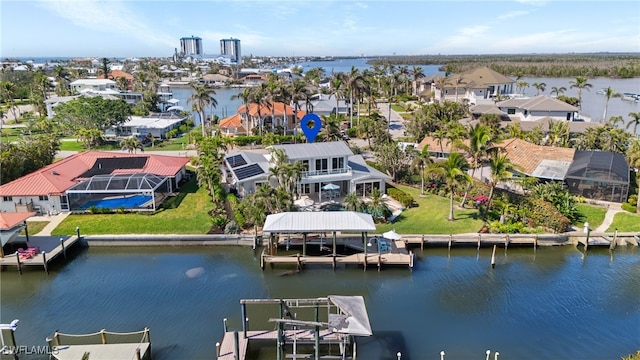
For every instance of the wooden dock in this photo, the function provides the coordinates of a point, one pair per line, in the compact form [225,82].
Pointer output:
[227,350]
[49,248]
[397,255]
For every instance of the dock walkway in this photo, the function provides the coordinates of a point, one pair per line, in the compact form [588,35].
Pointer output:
[50,248]
[300,336]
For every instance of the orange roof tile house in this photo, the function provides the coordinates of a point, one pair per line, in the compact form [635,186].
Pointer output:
[274,117]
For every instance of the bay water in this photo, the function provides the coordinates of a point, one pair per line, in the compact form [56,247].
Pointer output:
[554,303]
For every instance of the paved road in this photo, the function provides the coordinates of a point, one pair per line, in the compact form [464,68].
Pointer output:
[396,124]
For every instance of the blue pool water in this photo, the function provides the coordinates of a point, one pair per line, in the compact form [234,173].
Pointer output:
[130,202]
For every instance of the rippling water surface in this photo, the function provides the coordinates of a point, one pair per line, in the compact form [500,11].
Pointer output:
[555,303]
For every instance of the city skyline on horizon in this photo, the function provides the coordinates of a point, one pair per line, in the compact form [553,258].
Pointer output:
[124,29]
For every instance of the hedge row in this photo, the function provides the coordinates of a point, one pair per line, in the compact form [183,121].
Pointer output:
[402,197]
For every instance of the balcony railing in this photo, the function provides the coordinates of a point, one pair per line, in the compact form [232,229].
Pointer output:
[344,170]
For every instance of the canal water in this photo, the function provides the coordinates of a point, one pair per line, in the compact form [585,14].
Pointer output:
[551,304]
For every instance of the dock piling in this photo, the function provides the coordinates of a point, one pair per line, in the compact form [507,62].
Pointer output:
[493,257]
[64,251]
[217,350]
[479,239]
[614,242]
[44,262]
[224,325]
[236,343]
[19,263]
[243,309]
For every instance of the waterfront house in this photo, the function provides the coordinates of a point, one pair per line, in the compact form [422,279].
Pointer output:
[324,163]
[326,105]
[92,175]
[261,118]
[156,125]
[538,107]
[479,85]
[114,74]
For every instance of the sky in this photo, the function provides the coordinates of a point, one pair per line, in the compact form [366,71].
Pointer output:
[144,28]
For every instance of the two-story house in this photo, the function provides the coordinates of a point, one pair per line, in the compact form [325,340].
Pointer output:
[98,86]
[324,163]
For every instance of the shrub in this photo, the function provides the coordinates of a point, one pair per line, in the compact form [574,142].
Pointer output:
[121,210]
[94,209]
[510,228]
[218,221]
[352,132]
[231,228]
[628,207]
[402,197]
[633,200]
[237,213]
[545,214]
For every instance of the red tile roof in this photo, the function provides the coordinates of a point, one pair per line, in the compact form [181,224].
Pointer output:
[114,74]
[56,178]
[278,109]
[10,219]
[231,121]
[528,156]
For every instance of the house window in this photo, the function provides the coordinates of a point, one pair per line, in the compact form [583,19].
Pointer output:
[305,165]
[526,112]
[337,163]
[321,165]
[43,198]
[7,198]
[305,188]
[568,116]
[258,184]
[511,111]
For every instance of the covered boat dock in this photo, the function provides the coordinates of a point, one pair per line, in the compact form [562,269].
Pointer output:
[302,325]
[353,228]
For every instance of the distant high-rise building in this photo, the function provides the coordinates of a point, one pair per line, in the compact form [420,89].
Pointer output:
[191,46]
[231,47]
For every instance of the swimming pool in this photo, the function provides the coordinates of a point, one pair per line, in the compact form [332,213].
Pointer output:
[128,202]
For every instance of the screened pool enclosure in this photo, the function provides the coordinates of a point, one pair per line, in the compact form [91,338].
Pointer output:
[132,192]
[599,175]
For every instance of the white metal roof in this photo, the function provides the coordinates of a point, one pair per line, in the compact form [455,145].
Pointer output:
[354,319]
[93,82]
[315,150]
[153,122]
[324,221]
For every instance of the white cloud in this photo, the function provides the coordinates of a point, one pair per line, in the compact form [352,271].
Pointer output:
[512,14]
[108,17]
[361,5]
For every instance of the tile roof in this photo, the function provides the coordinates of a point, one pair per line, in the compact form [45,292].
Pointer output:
[231,121]
[56,178]
[10,219]
[114,74]
[477,78]
[531,156]
[278,109]
[537,103]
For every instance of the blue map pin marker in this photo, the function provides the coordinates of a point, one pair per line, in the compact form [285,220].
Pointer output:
[311,125]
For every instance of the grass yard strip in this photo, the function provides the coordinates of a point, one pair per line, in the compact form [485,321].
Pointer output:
[190,217]
[430,217]
[34,227]
[625,222]
[592,214]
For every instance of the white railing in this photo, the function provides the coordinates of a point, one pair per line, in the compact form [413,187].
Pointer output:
[344,170]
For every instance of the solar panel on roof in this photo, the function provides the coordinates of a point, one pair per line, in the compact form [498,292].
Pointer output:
[248,171]
[236,161]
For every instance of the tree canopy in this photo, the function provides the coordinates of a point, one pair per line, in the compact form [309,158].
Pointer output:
[92,113]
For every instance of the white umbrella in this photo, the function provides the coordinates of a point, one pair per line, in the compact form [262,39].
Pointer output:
[331,186]
[304,201]
[176,107]
[392,235]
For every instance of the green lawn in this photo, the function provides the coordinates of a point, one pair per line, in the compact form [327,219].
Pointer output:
[592,214]
[174,144]
[191,217]
[625,222]
[430,217]
[398,108]
[35,227]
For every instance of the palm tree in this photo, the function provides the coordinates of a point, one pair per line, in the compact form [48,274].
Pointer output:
[245,96]
[352,202]
[439,136]
[480,143]
[200,99]
[635,121]
[377,205]
[608,94]
[440,83]
[337,90]
[104,68]
[558,90]
[633,157]
[580,83]
[420,162]
[501,170]
[131,144]
[330,130]
[453,172]
[522,84]
[540,87]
